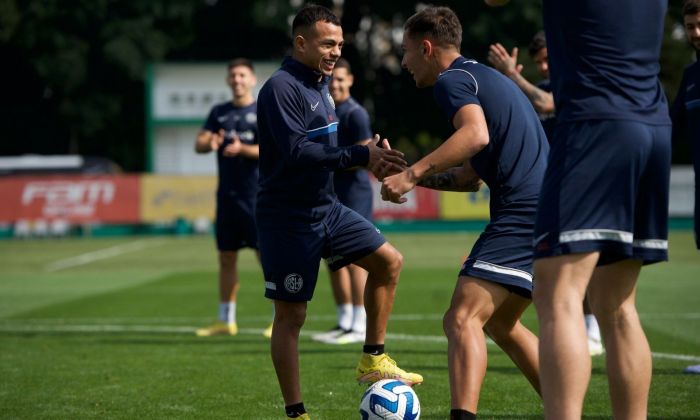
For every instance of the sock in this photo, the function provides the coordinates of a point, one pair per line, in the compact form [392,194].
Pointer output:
[295,410]
[373,349]
[227,312]
[344,312]
[359,318]
[592,327]
[457,414]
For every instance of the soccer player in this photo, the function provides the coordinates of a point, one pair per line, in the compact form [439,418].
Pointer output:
[231,131]
[352,186]
[300,219]
[685,112]
[603,210]
[542,99]
[498,138]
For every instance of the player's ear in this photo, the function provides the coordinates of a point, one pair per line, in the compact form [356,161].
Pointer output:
[299,43]
[427,47]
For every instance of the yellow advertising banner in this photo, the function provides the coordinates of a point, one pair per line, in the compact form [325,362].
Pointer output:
[165,198]
[465,206]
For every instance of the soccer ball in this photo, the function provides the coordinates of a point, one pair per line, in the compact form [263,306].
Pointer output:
[391,400]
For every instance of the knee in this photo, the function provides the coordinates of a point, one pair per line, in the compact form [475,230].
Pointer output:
[395,265]
[500,332]
[227,259]
[455,323]
[621,317]
[291,316]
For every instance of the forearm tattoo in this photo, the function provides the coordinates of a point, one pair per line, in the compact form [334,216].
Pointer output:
[447,181]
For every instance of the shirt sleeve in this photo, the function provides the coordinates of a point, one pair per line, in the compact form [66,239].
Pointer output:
[360,128]
[212,124]
[284,114]
[455,89]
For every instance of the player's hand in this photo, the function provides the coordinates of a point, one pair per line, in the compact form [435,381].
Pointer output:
[383,160]
[234,148]
[217,139]
[504,62]
[395,186]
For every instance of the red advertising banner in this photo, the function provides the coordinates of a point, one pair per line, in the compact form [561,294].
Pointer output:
[77,199]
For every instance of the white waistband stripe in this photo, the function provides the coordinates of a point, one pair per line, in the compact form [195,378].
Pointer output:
[650,243]
[595,235]
[487,266]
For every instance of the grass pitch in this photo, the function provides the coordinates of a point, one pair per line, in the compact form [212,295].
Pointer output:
[104,328]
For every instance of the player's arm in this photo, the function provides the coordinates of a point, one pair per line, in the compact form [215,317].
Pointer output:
[459,179]
[541,100]
[289,133]
[207,141]
[470,137]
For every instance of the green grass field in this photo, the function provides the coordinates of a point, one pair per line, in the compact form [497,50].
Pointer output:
[103,328]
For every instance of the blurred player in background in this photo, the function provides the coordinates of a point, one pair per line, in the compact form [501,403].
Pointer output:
[231,130]
[685,112]
[603,210]
[494,285]
[352,186]
[542,99]
[300,219]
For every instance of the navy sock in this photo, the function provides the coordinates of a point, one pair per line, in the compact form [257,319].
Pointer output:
[295,410]
[373,349]
[457,414]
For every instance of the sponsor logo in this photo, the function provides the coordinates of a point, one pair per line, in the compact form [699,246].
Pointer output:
[293,283]
[66,198]
[314,106]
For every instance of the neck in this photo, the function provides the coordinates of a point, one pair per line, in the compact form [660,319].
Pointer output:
[445,57]
[241,101]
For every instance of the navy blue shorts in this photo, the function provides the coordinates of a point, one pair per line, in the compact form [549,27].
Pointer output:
[356,195]
[235,224]
[291,254]
[606,189]
[503,253]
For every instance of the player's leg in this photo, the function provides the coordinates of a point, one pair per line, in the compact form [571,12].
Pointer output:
[473,302]
[289,318]
[595,342]
[267,332]
[628,358]
[383,267]
[358,280]
[229,282]
[519,343]
[340,286]
[558,296]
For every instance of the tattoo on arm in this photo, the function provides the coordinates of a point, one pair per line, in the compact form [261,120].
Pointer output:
[447,181]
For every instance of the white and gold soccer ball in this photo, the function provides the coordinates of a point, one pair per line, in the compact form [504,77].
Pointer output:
[389,399]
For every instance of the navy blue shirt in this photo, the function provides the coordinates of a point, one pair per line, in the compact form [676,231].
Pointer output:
[299,149]
[354,127]
[514,161]
[238,175]
[548,120]
[604,59]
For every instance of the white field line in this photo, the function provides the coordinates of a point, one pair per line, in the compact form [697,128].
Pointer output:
[165,329]
[101,254]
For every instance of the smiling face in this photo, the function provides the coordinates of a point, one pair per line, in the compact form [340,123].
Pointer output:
[692,29]
[340,84]
[319,47]
[241,80]
[416,61]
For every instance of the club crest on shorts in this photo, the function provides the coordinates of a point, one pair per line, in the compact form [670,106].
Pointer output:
[293,283]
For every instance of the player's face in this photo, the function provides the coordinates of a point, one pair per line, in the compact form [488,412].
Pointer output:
[416,62]
[321,48]
[542,63]
[692,29]
[241,80]
[340,85]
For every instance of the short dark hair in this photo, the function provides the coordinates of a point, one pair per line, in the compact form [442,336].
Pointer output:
[440,24]
[691,7]
[343,64]
[312,13]
[237,62]
[537,43]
